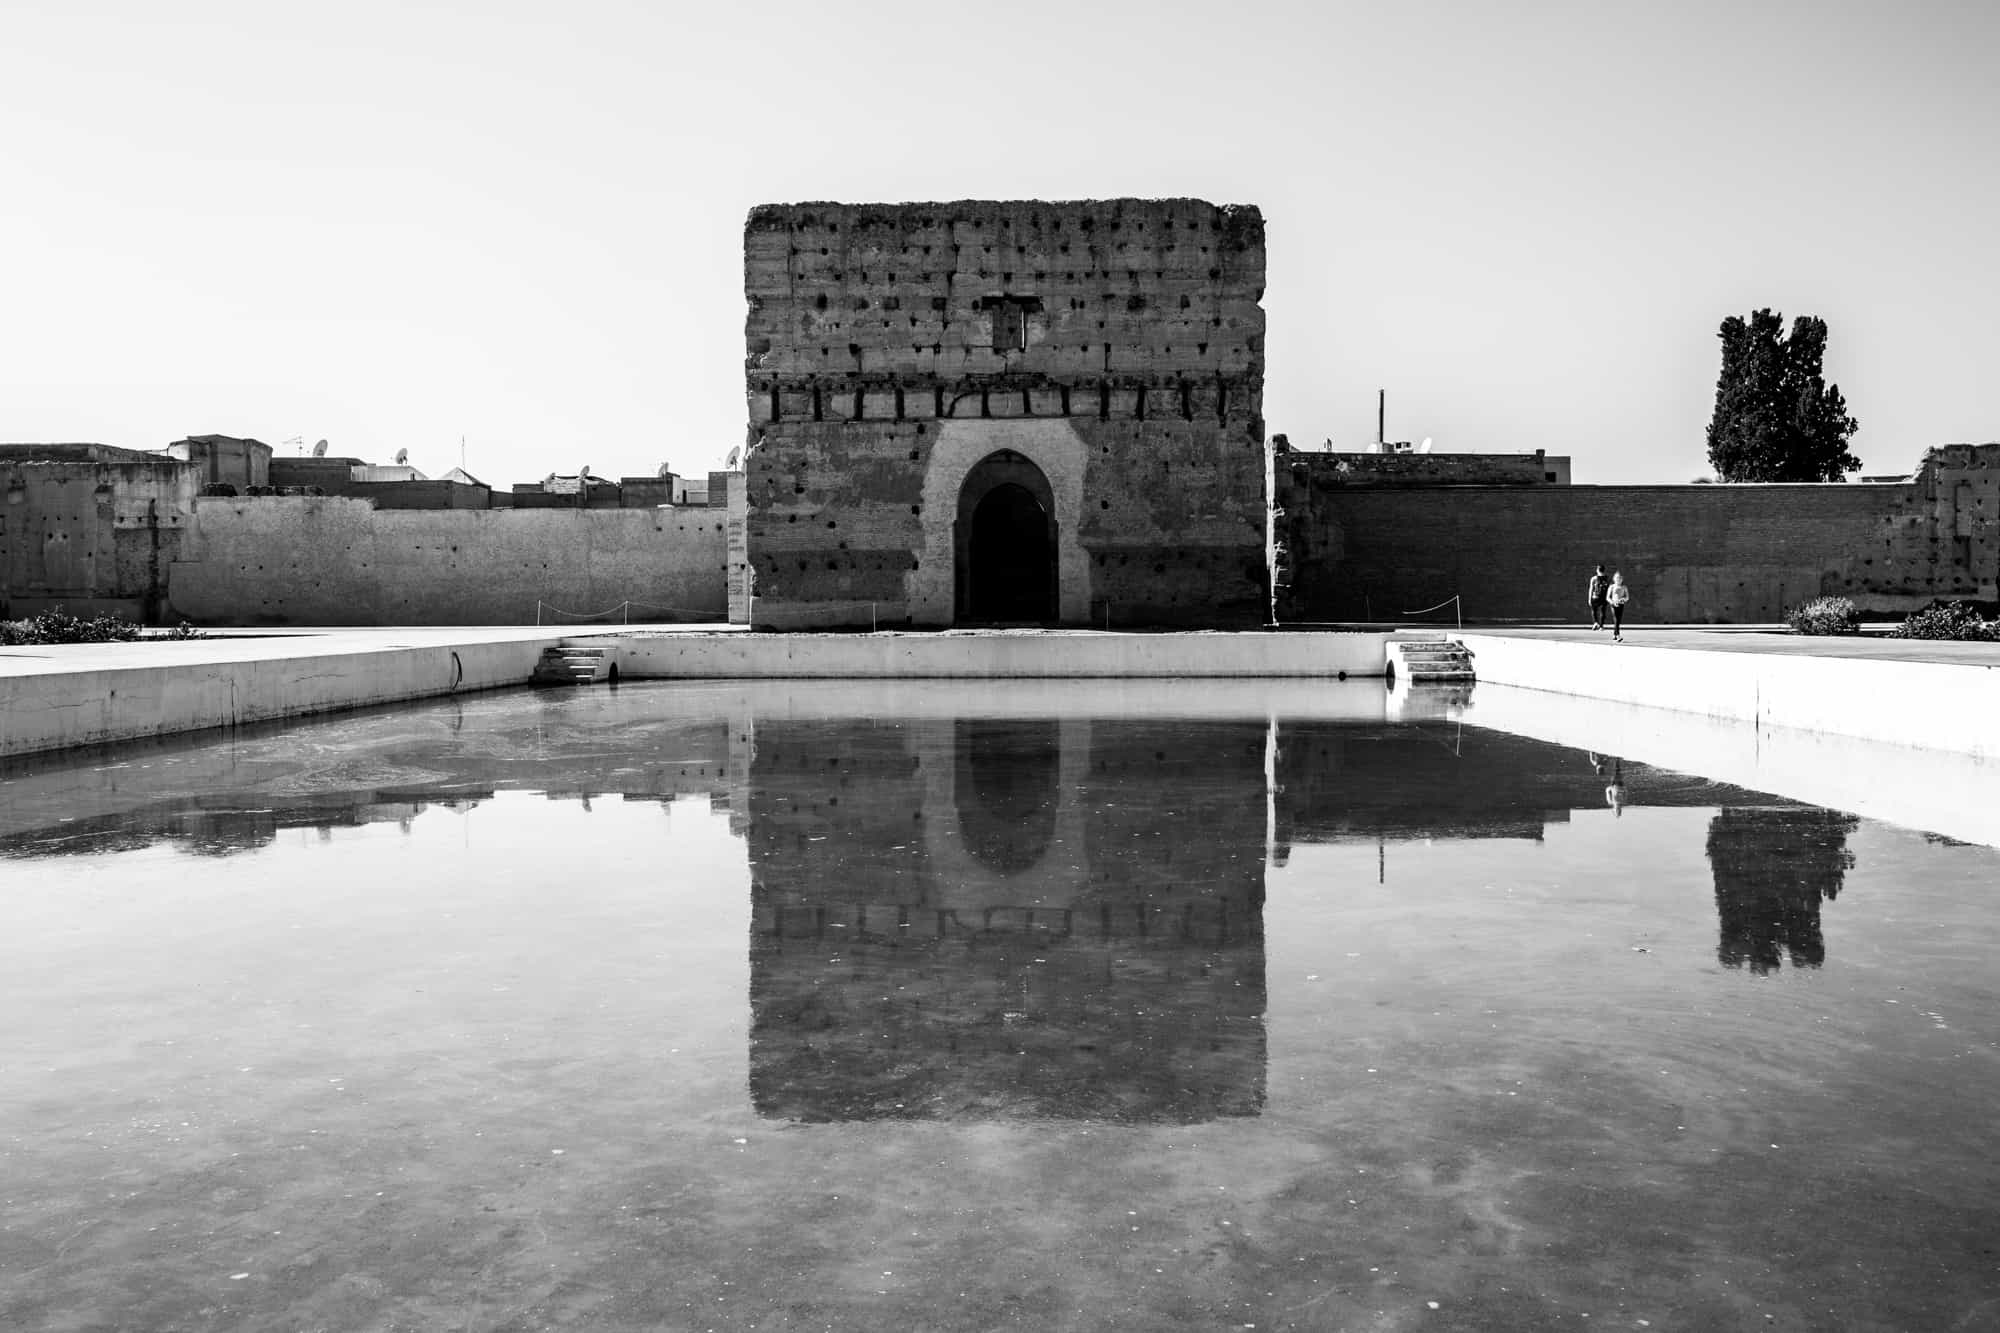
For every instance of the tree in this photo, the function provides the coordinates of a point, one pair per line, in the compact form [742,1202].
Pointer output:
[1776,417]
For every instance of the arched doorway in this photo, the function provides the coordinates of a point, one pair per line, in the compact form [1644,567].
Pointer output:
[1005,542]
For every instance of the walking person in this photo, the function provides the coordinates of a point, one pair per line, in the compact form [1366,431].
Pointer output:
[1598,584]
[1616,596]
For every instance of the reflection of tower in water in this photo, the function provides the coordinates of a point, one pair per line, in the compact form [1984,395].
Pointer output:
[1007,917]
[1773,868]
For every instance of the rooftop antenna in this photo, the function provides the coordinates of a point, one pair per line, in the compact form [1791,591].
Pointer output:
[1381,418]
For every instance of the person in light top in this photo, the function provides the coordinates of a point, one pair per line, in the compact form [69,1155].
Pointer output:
[1617,595]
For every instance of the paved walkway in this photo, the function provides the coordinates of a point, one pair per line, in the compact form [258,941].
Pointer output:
[272,645]
[1774,640]
[228,646]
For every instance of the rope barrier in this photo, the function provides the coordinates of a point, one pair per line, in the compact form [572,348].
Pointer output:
[624,611]
[1458,614]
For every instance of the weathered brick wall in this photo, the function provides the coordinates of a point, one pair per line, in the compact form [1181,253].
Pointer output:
[1117,345]
[91,538]
[332,475]
[736,538]
[334,560]
[1693,554]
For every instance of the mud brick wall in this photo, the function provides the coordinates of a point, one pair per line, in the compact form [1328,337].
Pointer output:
[1693,554]
[91,538]
[335,560]
[1116,345]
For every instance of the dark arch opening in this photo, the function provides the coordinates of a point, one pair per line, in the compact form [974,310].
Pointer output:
[1008,785]
[1006,543]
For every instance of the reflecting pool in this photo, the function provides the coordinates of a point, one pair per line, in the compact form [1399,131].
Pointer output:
[1033,1005]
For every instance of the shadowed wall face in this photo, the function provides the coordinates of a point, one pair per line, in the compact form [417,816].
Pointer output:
[1692,554]
[1115,346]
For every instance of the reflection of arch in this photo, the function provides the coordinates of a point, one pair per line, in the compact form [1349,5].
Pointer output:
[1004,542]
[1007,788]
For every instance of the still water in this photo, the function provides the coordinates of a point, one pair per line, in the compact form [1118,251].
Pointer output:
[1032,1006]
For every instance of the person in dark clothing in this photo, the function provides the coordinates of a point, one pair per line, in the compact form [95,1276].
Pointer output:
[1598,585]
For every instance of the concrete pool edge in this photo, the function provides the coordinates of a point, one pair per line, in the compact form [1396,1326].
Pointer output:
[61,700]
[994,655]
[76,696]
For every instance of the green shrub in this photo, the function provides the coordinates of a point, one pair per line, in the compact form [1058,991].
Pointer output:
[58,626]
[1947,620]
[1824,615]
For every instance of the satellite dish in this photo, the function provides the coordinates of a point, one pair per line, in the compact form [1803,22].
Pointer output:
[583,474]
[730,462]
[1425,447]
[402,457]
[319,450]
[666,470]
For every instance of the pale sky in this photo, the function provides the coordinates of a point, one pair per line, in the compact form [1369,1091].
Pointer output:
[392,225]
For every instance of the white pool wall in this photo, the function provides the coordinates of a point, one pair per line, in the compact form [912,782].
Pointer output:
[1927,705]
[995,656]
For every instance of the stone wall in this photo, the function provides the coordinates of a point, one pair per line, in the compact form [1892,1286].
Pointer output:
[91,538]
[1693,554]
[331,475]
[224,460]
[332,560]
[419,494]
[736,508]
[1113,347]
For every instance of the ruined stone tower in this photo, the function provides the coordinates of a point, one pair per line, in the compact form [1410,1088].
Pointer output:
[1018,412]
